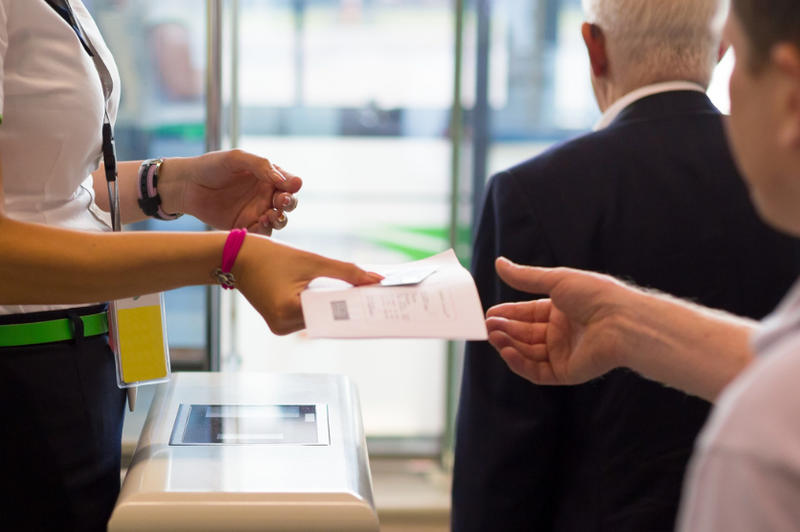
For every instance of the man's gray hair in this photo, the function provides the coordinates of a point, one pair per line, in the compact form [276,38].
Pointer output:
[649,41]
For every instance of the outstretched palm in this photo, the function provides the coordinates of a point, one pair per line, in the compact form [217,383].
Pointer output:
[568,339]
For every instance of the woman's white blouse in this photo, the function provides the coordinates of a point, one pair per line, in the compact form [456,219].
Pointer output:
[52,107]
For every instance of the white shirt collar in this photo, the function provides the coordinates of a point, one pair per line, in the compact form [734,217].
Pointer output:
[617,107]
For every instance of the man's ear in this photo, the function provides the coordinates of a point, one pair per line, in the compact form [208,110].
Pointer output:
[785,58]
[596,46]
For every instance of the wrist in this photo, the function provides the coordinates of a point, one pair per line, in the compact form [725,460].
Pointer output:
[225,274]
[633,334]
[172,185]
[238,265]
[251,254]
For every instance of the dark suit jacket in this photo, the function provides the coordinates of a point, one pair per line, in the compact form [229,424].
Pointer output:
[654,198]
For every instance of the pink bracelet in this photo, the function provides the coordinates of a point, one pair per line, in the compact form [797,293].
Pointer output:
[229,253]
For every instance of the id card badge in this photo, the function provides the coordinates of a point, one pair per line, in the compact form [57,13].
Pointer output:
[138,337]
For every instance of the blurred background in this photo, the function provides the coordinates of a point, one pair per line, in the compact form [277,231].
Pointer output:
[394,112]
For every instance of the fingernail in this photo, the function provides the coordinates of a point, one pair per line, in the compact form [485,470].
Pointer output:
[278,176]
[287,200]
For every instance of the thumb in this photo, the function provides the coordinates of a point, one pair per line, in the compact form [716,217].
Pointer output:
[530,279]
[264,170]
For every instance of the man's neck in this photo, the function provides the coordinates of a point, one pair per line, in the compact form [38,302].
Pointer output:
[618,105]
[607,94]
[608,91]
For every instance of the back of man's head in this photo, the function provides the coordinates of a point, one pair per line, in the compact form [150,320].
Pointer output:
[650,41]
[766,23]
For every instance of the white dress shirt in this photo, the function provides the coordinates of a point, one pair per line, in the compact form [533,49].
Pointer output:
[52,106]
[745,473]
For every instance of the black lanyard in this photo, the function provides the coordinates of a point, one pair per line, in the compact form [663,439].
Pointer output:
[64,9]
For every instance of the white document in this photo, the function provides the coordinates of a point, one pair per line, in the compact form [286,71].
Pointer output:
[430,298]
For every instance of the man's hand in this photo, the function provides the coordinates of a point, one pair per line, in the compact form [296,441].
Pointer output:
[230,189]
[567,339]
[593,323]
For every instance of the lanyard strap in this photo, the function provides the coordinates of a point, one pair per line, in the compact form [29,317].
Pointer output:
[64,9]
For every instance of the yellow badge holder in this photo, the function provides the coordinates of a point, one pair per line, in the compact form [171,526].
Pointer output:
[138,337]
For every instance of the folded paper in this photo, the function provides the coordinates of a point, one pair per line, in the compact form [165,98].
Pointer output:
[431,298]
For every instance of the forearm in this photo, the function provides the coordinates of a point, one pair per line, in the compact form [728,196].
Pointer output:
[692,348]
[46,265]
[169,188]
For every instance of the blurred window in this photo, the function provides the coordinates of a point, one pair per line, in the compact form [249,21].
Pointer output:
[355,97]
[159,48]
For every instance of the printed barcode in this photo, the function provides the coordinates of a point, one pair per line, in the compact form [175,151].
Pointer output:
[340,310]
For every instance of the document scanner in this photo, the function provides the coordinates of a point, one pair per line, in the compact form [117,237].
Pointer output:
[250,452]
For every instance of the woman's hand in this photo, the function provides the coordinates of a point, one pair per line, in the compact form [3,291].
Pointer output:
[229,189]
[271,276]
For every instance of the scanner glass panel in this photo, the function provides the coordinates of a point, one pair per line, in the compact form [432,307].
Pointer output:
[204,424]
